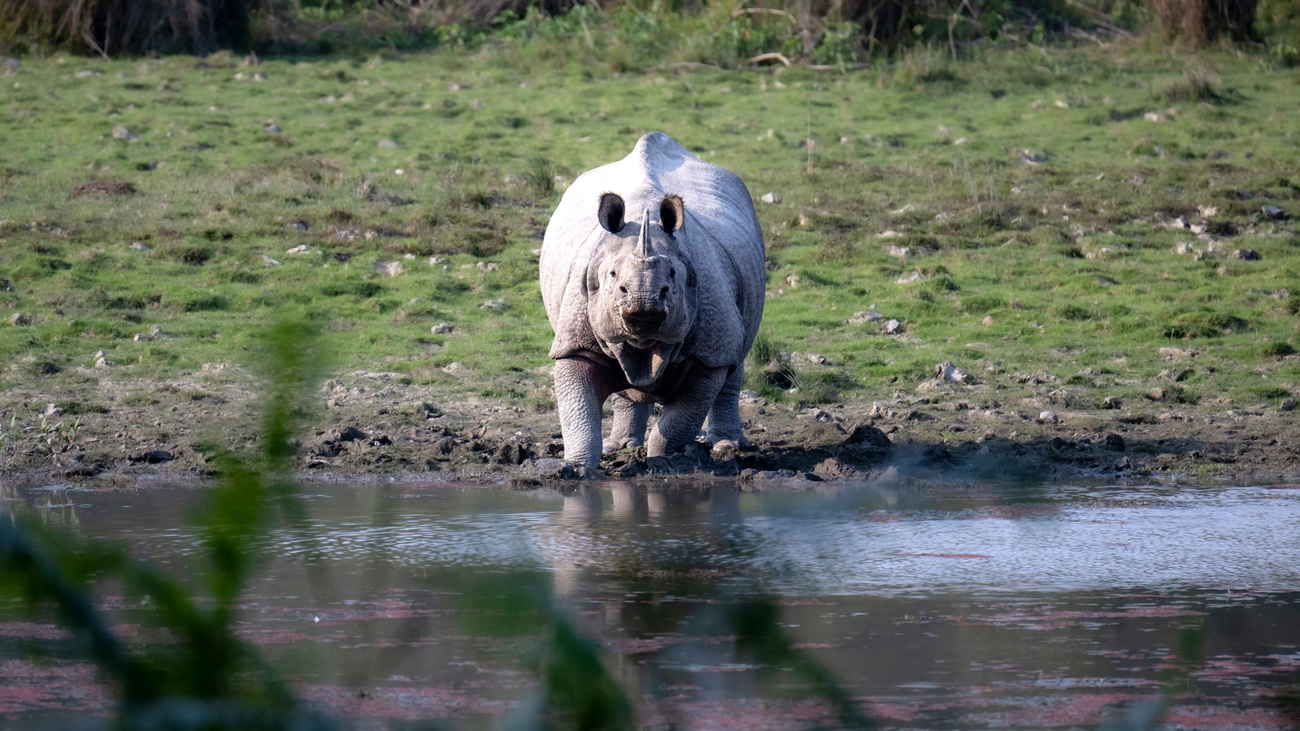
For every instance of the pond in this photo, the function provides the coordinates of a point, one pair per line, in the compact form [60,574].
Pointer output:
[922,604]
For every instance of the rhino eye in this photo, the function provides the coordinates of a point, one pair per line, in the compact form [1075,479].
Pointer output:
[613,274]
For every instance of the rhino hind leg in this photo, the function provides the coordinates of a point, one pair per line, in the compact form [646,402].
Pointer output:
[630,419]
[724,415]
[684,415]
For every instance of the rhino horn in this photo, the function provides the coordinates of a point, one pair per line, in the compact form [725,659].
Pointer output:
[643,239]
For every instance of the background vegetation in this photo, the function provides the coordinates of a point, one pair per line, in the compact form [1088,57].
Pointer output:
[633,33]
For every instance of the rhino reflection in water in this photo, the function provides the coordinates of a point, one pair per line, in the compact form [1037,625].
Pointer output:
[639,534]
[661,308]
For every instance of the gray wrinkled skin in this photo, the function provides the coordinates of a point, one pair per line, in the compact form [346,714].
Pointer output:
[653,279]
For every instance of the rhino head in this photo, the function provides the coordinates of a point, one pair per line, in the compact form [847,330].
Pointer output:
[641,295]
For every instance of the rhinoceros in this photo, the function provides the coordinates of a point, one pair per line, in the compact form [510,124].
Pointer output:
[652,273]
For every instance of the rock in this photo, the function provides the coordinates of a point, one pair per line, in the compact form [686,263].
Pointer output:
[1030,157]
[770,198]
[865,316]
[442,328]
[297,226]
[916,276]
[1244,255]
[1113,442]
[269,262]
[301,249]
[1274,212]
[155,333]
[386,143]
[454,368]
[51,410]
[950,372]
[1176,375]
[1156,394]
[902,252]
[869,436]
[1156,116]
[818,415]
[1288,405]
[122,133]
[388,268]
[988,320]
[475,103]
[1048,417]
[497,304]
[1176,354]
[18,319]
[274,129]
[138,246]
[1111,402]
[550,468]
[259,76]
[893,327]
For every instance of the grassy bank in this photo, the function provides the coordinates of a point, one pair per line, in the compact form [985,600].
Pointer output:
[1021,216]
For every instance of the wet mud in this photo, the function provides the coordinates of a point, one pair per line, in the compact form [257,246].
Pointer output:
[368,424]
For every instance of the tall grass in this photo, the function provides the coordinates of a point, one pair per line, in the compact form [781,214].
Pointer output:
[625,34]
[112,27]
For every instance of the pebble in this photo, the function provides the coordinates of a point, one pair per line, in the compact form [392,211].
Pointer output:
[138,246]
[51,410]
[771,198]
[1048,417]
[269,262]
[301,249]
[454,368]
[19,318]
[893,327]
[122,133]
[274,129]
[443,328]
[386,143]
[1245,255]
[494,305]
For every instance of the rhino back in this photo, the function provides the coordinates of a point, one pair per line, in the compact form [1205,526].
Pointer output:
[721,232]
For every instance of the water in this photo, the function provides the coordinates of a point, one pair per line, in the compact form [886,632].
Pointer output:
[932,605]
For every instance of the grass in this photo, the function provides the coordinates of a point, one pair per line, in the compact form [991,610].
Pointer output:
[1040,208]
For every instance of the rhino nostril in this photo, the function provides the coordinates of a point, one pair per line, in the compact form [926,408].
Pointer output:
[663,292]
[622,289]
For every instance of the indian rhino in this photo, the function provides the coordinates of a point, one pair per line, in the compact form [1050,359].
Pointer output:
[652,273]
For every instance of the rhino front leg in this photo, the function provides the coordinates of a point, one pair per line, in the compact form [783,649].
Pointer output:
[630,419]
[724,417]
[581,387]
[684,415]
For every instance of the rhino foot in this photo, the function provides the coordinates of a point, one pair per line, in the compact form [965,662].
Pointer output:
[609,446]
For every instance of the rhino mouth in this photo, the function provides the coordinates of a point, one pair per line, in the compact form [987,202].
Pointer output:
[644,323]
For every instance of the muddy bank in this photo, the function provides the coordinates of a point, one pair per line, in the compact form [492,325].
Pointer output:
[367,424]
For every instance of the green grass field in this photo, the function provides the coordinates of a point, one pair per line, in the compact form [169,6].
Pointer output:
[1042,196]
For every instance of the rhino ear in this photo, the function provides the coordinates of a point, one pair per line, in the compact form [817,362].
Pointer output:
[671,214]
[610,212]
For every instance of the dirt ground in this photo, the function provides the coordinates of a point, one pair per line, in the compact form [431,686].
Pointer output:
[366,424]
